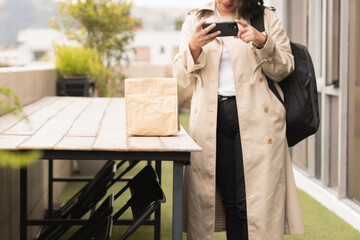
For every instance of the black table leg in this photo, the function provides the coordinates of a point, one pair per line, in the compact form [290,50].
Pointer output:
[157,211]
[23,203]
[177,201]
[50,195]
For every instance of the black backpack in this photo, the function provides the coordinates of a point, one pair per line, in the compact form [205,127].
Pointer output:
[300,92]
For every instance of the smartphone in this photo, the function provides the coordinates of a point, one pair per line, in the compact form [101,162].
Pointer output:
[227,28]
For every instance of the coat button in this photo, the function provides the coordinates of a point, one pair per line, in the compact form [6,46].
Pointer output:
[266,109]
[269,140]
[261,79]
[195,140]
[195,111]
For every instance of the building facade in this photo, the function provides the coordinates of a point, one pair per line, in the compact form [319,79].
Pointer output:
[327,165]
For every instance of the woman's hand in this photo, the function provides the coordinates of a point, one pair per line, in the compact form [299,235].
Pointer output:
[200,38]
[249,34]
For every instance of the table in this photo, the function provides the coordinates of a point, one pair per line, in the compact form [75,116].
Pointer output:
[92,129]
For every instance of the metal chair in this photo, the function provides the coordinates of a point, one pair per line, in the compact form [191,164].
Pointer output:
[81,203]
[146,196]
[99,226]
[138,180]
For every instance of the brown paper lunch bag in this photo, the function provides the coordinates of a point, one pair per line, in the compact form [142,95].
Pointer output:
[151,107]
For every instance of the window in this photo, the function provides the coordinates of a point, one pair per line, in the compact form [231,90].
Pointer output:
[334,141]
[333,42]
[299,29]
[38,55]
[315,35]
[142,54]
[318,147]
[354,103]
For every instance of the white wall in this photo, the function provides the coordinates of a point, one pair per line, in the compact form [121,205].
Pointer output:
[155,41]
[281,9]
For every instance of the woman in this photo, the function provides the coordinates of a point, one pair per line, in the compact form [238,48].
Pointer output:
[244,171]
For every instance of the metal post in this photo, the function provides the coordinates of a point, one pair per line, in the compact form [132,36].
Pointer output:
[50,195]
[158,210]
[23,203]
[177,201]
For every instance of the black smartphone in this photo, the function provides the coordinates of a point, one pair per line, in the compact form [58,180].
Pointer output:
[227,28]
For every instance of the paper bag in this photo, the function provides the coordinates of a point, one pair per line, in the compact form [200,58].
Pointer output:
[151,106]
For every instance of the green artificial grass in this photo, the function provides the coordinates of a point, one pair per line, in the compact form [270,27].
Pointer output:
[320,223]
[184,120]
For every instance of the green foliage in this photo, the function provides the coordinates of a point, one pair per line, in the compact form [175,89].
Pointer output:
[18,159]
[103,25]
[79,61]
[178,23]
[2,65]
[74,61]
[10,103]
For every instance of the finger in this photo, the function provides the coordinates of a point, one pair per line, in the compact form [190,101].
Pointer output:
[246,40]
[209,28]
[243,29]
[247,36]
[210,37]
[208,41]
[199,24]
[215,34]
[241,32]
[242,24]
[207,38]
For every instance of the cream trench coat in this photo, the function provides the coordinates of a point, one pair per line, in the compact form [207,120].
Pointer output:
[272,203]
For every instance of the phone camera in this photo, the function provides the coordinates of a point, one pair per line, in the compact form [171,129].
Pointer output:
[232,26]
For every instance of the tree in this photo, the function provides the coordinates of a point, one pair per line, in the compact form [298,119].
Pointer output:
[103,25]
[10,103]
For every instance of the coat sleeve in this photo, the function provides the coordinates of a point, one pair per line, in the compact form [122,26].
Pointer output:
[184,68]
[276,53]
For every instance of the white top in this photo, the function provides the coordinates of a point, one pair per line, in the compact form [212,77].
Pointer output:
[226,76]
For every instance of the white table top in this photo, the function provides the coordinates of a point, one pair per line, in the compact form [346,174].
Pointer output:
[79,123]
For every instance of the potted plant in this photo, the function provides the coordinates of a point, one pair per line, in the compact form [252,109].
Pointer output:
[79,69]
[105,26]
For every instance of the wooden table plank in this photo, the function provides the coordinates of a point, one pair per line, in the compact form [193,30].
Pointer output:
[146,144]
[56,127]
[87,125]
[112,133]
[180,141]
[11,142]
[37,119]
[9,120]
[75,143]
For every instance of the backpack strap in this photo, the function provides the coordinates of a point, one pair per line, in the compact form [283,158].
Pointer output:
[258,23]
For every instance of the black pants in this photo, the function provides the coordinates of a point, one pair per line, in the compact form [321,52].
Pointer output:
[230,170]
